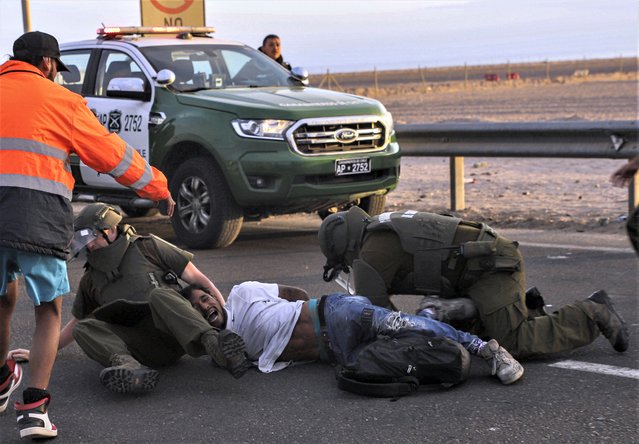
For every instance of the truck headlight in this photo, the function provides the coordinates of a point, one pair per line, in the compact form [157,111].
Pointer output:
[387,119]
[261,129]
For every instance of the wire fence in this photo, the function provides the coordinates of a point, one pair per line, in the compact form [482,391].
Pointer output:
[497,74]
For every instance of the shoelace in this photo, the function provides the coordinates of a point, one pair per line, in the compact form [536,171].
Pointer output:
[492,361]
[505,359]
[493,365]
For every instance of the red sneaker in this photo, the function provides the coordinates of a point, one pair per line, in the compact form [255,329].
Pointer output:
[33,419]
[12,383]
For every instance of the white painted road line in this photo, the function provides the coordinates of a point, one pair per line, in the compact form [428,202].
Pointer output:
[597,368]
[578,247]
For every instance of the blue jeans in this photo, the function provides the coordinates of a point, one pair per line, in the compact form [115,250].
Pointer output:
[352,322]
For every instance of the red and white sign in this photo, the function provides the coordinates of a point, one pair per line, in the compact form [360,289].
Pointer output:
[172,12]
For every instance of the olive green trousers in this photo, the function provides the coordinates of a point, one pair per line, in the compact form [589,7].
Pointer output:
[172,330]
[500,300]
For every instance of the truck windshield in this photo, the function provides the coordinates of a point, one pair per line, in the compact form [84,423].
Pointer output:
[198,67]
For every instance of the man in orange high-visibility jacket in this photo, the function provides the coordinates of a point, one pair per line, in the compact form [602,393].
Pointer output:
[41,124]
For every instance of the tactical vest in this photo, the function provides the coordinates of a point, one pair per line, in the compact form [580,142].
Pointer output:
[122,271]
[426,236]
[429,238]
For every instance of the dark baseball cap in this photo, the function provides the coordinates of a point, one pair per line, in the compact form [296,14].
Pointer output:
[38,43]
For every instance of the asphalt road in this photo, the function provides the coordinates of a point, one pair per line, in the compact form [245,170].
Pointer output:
[195,402]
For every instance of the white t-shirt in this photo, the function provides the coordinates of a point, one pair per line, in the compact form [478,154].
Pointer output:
[264,320]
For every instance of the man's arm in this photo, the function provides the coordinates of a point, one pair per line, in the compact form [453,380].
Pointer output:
[292,293]
[625,173]
[193,275]
[66,334]
[66,337]
[108,153]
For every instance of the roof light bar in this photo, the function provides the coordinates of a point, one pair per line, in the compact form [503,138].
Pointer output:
[131,30]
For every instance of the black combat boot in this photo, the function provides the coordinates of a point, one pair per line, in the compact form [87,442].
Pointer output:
[126,375]
[599,306]
[227,350]
[448,310]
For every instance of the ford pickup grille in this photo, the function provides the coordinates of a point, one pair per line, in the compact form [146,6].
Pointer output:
[316,137]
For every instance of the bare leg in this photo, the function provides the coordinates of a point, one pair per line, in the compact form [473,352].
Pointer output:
[7,304]
[44,346]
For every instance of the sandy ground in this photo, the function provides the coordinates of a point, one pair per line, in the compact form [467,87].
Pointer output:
[572,194]
[604,97]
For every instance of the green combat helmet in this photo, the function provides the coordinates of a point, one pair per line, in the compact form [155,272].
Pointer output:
[92,221]
[340,238]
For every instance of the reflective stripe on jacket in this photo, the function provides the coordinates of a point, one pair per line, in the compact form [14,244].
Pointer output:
[42,123]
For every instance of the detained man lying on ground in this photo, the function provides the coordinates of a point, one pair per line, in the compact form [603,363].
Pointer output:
[279,325]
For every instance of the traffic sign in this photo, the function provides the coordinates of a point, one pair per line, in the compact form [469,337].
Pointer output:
[172,12]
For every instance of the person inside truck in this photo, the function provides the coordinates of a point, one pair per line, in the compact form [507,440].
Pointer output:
[272,47]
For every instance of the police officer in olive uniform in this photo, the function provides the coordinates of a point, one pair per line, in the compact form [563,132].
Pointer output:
[410,252]
[128,314]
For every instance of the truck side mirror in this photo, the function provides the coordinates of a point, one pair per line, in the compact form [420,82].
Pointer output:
[165,77]
[128,88]
[301,74]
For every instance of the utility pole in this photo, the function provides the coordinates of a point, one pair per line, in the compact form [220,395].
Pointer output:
[26,16]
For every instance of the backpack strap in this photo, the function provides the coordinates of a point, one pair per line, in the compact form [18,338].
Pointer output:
[401,387]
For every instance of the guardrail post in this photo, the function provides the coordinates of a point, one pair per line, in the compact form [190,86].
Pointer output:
[457,200]
[633,193]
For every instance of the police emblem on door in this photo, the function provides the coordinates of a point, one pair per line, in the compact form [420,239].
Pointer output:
[115,121]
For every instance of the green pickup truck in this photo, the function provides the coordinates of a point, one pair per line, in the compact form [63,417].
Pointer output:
[238,136]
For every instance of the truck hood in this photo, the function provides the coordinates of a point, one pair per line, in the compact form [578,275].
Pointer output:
[282,103]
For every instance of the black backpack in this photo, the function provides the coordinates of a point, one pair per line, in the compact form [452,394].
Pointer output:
[393,366]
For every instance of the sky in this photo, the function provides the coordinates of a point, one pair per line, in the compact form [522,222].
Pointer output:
[361,35]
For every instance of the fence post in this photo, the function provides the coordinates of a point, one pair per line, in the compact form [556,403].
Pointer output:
[457,200]
[422,75]
[547,70]
[376,83]
[465,75]
[633,193]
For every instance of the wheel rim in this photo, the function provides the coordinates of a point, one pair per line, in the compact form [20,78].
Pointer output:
[194,204]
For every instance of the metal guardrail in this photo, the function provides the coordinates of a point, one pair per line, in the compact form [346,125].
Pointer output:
[568,139]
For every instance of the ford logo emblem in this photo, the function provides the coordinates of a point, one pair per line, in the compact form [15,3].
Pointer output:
[346,135]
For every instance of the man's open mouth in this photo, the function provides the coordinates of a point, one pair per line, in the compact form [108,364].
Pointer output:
[211,315]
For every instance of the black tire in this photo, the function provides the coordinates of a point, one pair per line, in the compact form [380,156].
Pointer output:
[374,204]
[206,216]
[137,212]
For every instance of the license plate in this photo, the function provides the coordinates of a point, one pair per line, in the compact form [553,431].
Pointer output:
[344,167]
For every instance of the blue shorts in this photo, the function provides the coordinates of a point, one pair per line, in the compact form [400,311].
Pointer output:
[45,276]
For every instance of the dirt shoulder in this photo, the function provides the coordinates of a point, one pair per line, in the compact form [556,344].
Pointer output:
[568,194]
